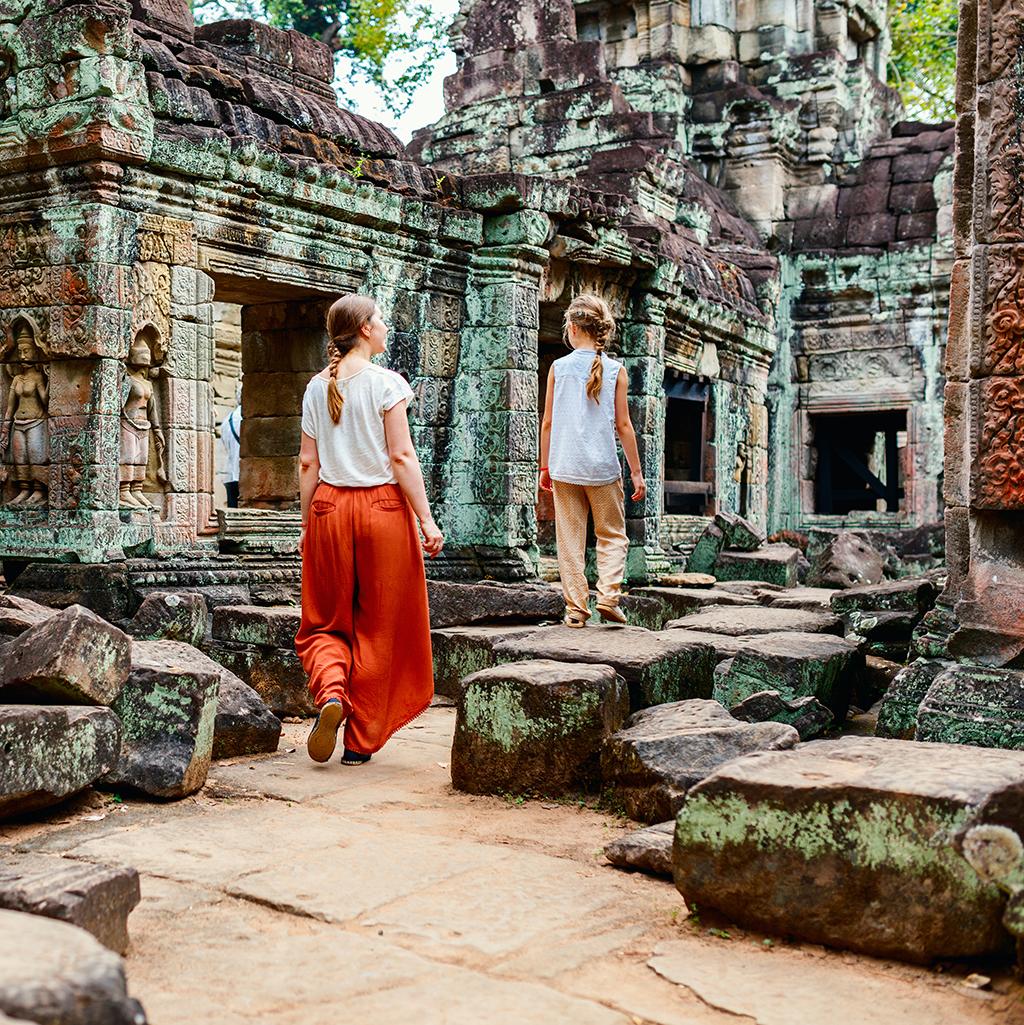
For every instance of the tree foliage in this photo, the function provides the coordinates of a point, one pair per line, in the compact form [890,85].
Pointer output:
[922,65]
[393,44]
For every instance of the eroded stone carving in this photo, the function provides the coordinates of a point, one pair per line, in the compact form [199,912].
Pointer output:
[23,436]
[141,422]
[999,470]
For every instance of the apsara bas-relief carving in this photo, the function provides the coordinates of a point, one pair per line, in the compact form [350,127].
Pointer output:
[23,435]
[141,421]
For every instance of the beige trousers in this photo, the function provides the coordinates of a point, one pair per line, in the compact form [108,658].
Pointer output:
[573,505]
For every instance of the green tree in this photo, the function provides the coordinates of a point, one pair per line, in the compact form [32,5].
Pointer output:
[392,44]
[922,65]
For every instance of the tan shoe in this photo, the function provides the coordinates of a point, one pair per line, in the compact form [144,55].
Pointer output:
[574,622]
[324,736]
[612,614]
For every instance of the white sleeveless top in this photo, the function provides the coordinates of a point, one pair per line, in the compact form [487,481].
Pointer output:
[583,443]
[354,452]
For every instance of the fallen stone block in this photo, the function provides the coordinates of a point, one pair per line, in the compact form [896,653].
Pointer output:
[845,560]
[455,604]
[53,973]
[167,711]
[974,705]
[18,614]
[875,680]
[657,666]
[897,718]
[663,751]
[757,619]
[773,564]
[244,725]
[257,625]
[681,601]
[802,599]
[97,898]
[706,551]
[73,656]
[916,596]
[169,616]
[740,534]
[847,843]
[685,580]
[535,727]
[645,850]
[461,650]
[53,751]
[276,674]
[796,665]
[808,716]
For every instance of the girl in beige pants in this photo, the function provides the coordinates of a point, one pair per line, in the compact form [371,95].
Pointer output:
[585,406]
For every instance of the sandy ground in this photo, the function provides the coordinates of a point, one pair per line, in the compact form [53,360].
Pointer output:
[288,892]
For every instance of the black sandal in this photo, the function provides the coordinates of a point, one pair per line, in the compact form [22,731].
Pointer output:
[354,758]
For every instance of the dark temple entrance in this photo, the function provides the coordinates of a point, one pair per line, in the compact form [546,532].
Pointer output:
[858,465]
[686,430]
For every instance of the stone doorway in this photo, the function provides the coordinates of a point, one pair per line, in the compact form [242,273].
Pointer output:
[687,409]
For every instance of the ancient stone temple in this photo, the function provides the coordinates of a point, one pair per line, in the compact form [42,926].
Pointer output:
[177,200]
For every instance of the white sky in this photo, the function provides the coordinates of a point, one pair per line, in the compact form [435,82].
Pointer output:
[428,102]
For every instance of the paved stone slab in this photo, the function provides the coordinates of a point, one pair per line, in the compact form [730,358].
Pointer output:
[96,898]
[54,973]
[170,616]
[807,715]
[804,599]
[461,650]
[243,724]
[53,751]
[647,850]
[535,727]
[276,674]
[663,751]
[974,705]
[897,717]
[796,665]
[658,666]
[685,580]
[774,564]
[457,604]
[18,614]
[259,625]
[73,657]
[167,710]
[738,622]
[847,843]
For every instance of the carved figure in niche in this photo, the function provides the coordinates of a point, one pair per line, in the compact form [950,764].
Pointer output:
[140,419]
[6,83]
[23,437]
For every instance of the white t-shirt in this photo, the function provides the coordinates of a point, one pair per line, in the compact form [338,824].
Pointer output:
[583,449]
[230,437]
[354,452]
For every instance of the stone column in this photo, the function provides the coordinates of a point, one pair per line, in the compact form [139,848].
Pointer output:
[641,344]
[491,476]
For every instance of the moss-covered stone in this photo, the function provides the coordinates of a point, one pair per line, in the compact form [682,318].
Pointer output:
[974,705]
[774,564]
[897,718]
[535,727]
[847,843]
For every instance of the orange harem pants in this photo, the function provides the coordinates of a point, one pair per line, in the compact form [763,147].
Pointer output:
[364,637]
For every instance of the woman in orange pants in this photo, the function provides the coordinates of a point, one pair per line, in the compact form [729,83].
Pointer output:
[364,638]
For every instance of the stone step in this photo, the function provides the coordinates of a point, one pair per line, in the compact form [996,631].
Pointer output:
[848,843]
[461,650]
[757,619]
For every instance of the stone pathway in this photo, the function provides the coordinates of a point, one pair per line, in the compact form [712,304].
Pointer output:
[288,893]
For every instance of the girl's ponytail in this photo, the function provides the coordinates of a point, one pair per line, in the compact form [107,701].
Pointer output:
[593,316]
[344,319]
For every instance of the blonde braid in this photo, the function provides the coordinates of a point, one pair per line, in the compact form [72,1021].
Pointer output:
[596,378]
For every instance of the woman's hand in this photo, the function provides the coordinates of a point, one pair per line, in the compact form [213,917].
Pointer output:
[639,486]
[302,539]
[433,539]
[545,480]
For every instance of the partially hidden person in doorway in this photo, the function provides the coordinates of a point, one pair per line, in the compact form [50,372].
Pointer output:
[231,441]
[364,635]
[585,406]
